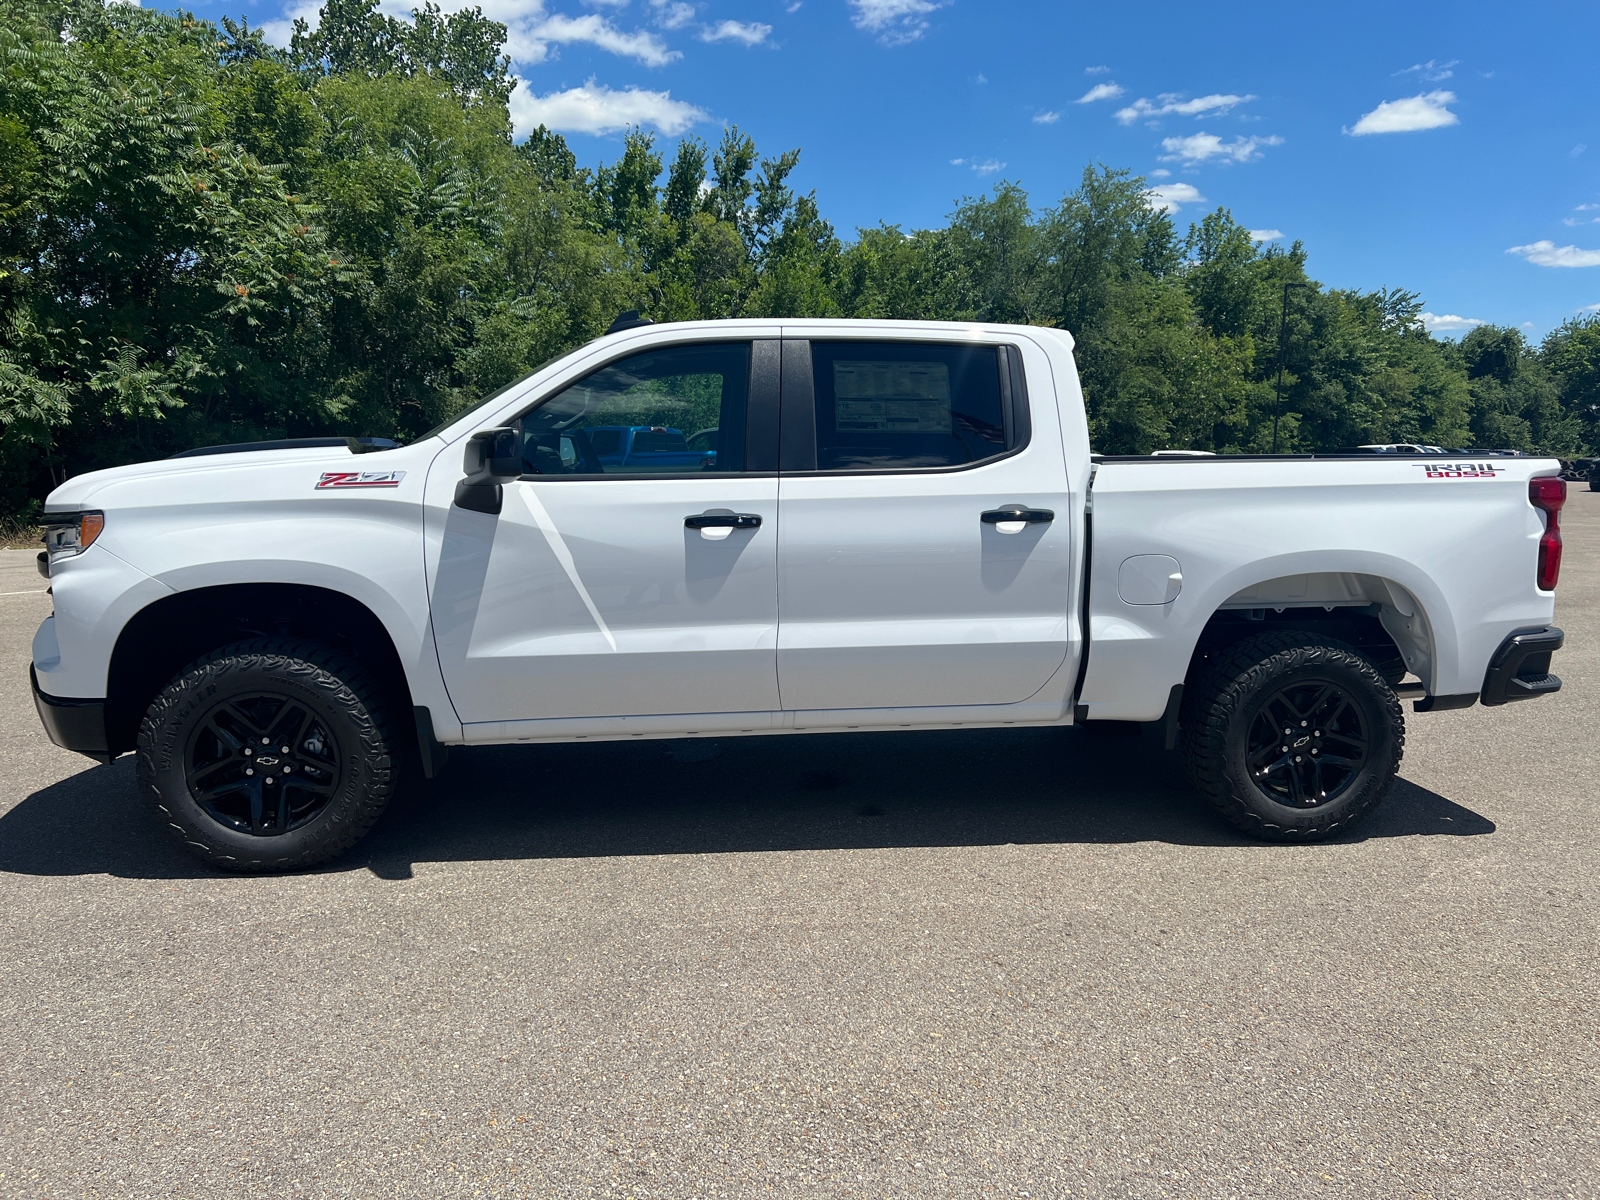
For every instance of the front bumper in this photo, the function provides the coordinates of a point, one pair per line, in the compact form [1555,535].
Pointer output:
[1520,668]
[72,724]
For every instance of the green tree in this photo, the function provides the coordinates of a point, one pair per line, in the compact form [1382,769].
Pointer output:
[204,238]
[1515,404]
[1571,353]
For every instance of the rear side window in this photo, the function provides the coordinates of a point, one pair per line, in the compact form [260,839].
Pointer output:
[907,405]
[636,416]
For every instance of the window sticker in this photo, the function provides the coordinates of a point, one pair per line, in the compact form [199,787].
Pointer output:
[912,397]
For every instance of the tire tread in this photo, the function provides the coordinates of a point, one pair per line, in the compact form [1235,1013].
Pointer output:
[1237,671]
[348,687]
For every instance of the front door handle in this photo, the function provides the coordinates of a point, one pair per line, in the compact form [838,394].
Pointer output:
[723,521]
[1015,518]
[716,527]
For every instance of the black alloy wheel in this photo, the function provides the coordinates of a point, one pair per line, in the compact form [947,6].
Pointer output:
[1291,736]
[262,764]
[1308,744]
[269,755]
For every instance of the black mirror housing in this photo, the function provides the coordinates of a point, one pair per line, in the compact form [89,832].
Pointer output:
[492,458]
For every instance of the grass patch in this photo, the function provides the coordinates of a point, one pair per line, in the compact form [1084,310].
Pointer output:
[20,535]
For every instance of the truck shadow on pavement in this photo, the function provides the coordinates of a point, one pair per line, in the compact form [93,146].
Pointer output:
[821,792]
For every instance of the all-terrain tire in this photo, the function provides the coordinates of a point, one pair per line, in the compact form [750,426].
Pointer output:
[191,770]
[1228,721]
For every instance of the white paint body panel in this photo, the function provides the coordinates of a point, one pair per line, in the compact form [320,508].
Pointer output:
[589,598]
[585,610]
[894,594]
[1464,549]
[255,517]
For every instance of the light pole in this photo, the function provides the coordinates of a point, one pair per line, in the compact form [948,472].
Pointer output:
[1283,329]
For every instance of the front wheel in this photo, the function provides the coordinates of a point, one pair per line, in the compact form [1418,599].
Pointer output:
[1292,737]
[267,755]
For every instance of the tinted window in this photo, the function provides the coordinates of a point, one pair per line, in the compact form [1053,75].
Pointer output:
[634,417]
[899,405]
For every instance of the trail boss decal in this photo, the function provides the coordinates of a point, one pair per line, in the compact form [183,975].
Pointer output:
[359,479]
[1460,470]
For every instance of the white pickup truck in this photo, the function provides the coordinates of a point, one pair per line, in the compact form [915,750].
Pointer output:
[747,527]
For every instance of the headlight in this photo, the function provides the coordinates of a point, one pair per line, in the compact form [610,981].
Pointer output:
[66,534]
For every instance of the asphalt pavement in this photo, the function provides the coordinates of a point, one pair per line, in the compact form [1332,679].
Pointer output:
[1001,963]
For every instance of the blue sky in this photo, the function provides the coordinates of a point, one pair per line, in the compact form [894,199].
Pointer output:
[1451,150]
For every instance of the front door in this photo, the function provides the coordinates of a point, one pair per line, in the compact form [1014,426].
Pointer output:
[921,559]
[633,569]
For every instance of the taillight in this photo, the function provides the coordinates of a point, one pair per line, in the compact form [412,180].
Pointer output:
[1548,495]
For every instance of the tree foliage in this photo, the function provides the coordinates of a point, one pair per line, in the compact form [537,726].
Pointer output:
[204,238]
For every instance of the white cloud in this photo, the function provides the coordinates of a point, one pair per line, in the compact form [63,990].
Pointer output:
[278,32]
[1203,147]
[1594,308]
[1265,235]
[531,43]
[1408,115]
[1097,70]
[987,166]
[1169,103]
[672,14]
[1447,322]
[1160,173]
[752,33]
[1101,91]
[1170,197]
[595,108]
[1432,71]
[1046,118]
[531,32]
[1577,150]
[795,7]
[1548,254]
[895,21]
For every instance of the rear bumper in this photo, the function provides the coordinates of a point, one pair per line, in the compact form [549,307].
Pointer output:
[1520,668]
[72,724]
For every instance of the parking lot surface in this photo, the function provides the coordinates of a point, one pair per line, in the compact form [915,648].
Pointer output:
[1007,963]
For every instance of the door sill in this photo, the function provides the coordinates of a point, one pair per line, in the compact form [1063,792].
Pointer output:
[683,725]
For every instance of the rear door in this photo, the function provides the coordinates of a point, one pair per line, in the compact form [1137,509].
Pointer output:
[924,532]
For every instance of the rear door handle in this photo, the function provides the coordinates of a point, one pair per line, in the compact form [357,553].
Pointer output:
[723,521]
[1011,520]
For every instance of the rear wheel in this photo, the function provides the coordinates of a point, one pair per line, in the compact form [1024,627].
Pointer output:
[1293,737]
[267,755]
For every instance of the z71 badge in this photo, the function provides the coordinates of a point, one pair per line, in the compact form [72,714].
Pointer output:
[1460,470]
[360,479]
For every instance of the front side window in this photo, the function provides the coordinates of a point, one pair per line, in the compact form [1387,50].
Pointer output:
[674,411]
[906,405]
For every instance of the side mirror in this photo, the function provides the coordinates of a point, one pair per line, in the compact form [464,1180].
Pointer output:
[491,459]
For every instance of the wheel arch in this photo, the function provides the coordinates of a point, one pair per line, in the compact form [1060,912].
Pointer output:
[1138,653]
[166,635]
[1373,613]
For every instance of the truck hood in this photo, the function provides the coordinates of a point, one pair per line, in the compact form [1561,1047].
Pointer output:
[79,491]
